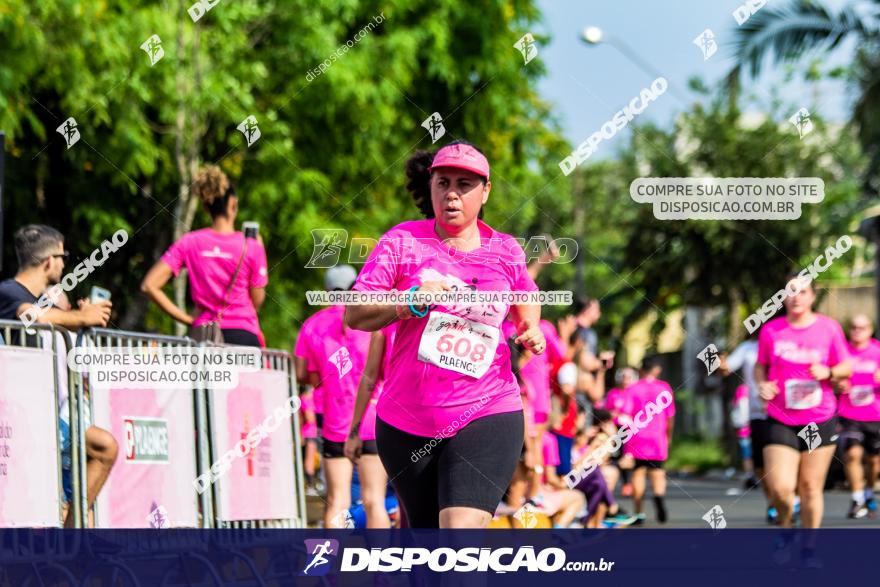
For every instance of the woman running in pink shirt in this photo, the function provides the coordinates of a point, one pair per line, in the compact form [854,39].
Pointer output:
[859,411]
[798,354]
[335,356]
[362,431]
[450,422]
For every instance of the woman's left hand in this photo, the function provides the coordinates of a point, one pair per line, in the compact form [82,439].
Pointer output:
[353,447]
[531,336]
[820,372]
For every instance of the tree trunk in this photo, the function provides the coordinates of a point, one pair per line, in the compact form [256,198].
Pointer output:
[734,327]
[186,149]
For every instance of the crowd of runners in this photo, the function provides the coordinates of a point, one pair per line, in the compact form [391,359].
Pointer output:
[465,415]
[534,435]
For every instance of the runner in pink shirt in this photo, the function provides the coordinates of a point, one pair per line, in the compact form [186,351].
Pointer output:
[649,400]
[536,372]
[450,423]
[739,417]
[614,401]
[859,411]
[798,354]
[335,356]
[360,446]
[309,434]
[227,272]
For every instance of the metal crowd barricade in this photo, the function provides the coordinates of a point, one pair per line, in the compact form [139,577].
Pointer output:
[39,554]
[254,529]
[124,431]
[81,409]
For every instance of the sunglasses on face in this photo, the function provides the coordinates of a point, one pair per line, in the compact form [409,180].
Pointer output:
[63,255]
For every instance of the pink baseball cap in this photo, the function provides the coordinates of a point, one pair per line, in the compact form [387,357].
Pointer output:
[463,157]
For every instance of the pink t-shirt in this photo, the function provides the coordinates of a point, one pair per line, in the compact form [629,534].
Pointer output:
[650,443]
[210,259]
[528,411]
[536,372]
[613,400]
[862,403]
[302,350]
[338,355]
[788,353]
[420,396]
[741,411]
[309,430]
[550,449]
[549,452]
[368,422]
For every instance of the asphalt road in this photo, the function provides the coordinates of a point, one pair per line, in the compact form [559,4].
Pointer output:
[688,500]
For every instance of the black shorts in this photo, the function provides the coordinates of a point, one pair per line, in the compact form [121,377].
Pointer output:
[648,463]
[787,434]
[471,469]
[336,450]
[855,432]
[239,337]
[758,432]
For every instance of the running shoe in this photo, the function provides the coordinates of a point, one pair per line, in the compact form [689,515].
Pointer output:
[872,505]
[751,482]
[772,515]
[857,511]
[620,519]
[639,519]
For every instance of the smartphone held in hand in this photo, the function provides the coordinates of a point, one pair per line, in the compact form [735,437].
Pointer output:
[251,229]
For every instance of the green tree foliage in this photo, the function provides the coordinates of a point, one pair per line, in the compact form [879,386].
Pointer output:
[737,264]
[332,148]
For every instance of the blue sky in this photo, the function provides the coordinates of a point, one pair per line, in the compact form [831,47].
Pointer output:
[588,84]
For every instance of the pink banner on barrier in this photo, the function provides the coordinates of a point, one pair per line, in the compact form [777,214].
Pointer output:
[29,482]
[260,484]
[151,483]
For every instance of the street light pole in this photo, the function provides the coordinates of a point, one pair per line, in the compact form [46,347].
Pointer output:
[593,35]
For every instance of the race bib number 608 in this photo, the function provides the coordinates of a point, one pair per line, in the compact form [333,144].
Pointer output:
[458,344]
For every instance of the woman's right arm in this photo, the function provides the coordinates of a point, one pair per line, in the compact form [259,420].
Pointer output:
[156,278]
[258,296]
[370,318]
[367,384]
[375,317]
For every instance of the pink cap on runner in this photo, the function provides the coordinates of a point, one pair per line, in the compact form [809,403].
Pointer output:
[463,157]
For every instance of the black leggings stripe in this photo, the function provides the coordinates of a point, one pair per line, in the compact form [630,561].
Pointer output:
[471,469]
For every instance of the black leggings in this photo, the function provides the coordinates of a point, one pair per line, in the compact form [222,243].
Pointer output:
[471,469]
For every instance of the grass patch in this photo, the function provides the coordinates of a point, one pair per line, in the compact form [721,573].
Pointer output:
[696,455]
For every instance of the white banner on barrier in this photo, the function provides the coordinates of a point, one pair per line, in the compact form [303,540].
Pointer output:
[151,483]
[28,439]
[258,485]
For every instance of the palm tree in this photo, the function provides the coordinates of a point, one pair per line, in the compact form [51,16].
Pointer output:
[789,32]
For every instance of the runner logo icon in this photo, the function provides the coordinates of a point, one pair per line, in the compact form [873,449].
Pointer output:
[715,518]
[710,358]
[810,434]
[321,552]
